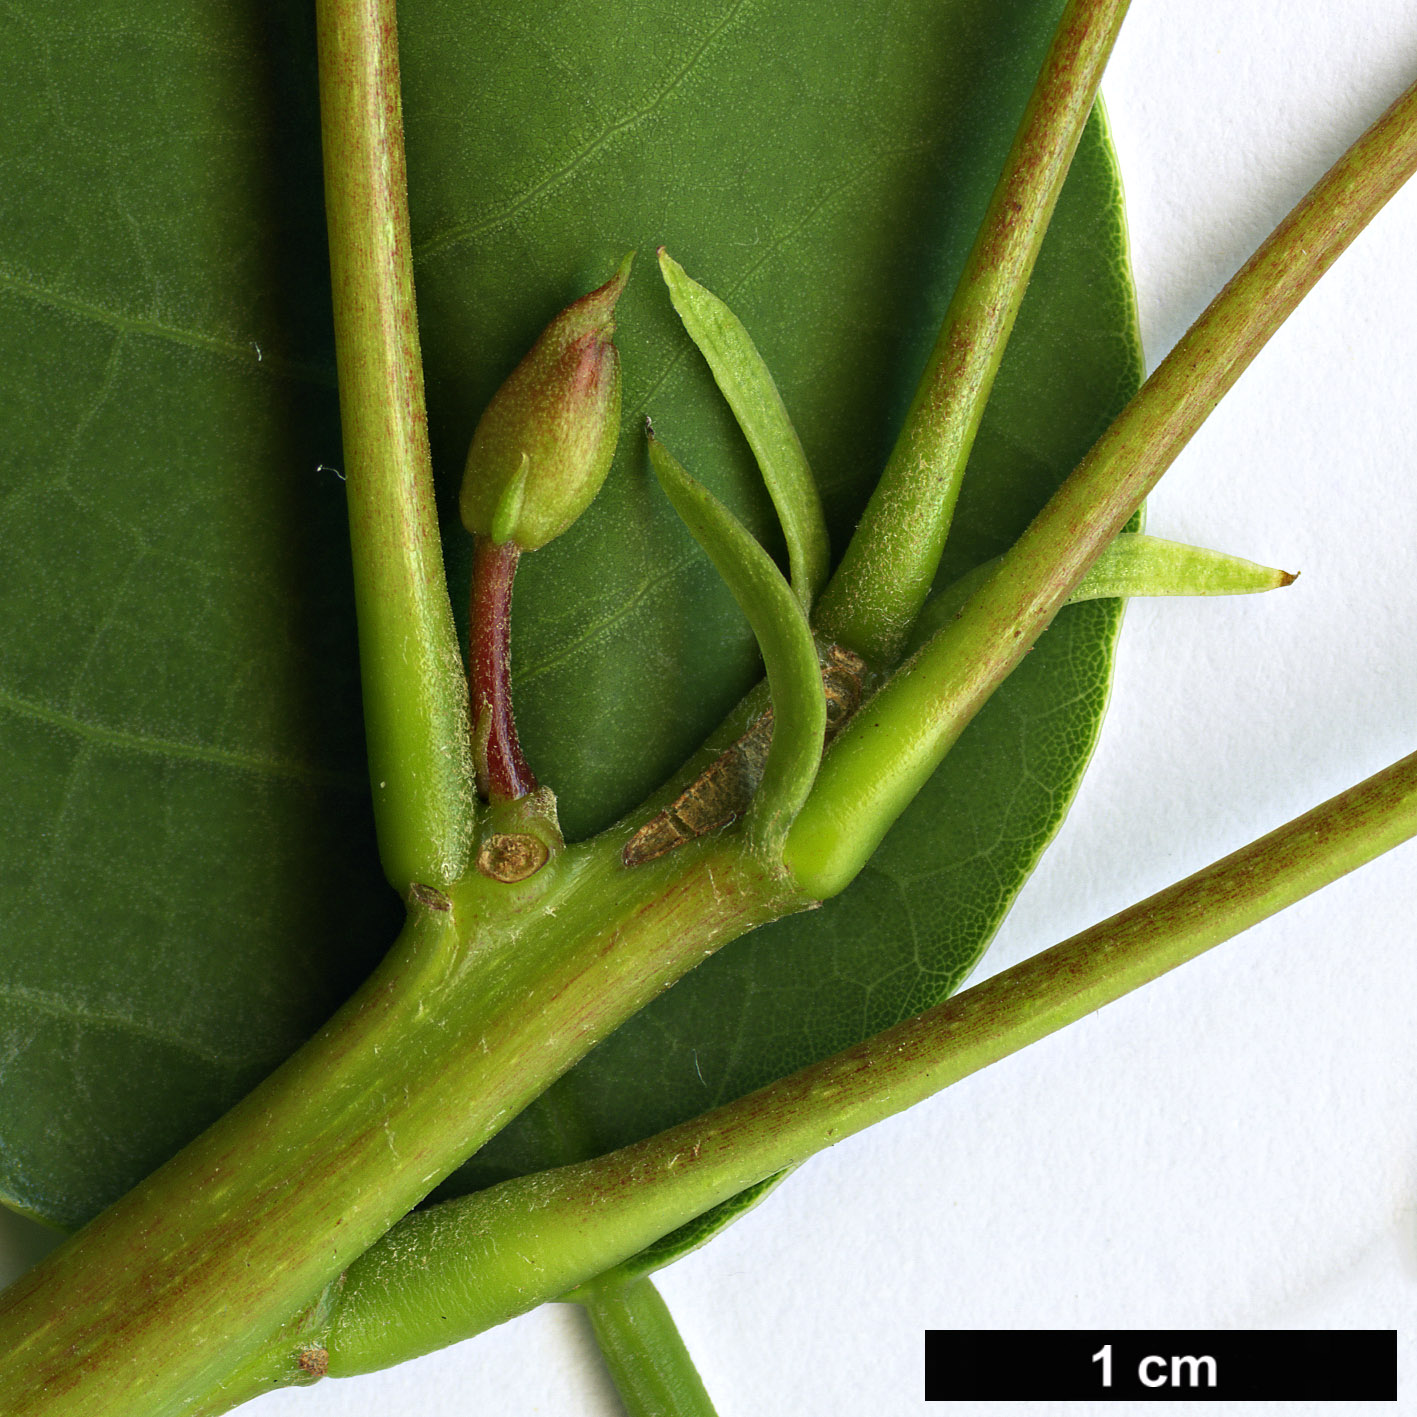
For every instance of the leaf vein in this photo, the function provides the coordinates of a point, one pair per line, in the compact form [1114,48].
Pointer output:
[246,354]
[735,288]
[460,233]
[175,748]
[598,629]
[46,1002]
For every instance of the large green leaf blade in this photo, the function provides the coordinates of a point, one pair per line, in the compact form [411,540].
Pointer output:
[187,883]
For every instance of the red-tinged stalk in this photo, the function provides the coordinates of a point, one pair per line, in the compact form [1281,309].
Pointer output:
[502,771]
[540,453]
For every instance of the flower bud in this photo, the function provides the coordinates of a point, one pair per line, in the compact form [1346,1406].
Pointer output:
[546,441]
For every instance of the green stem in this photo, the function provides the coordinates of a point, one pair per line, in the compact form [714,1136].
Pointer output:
[882,760]
[415,699]
[642,1347]
[889,566]
[489,996]
[458,1268]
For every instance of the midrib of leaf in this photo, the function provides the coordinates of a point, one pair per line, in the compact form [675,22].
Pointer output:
[598,629]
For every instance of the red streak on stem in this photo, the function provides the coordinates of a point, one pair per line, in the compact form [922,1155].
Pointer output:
[502,772]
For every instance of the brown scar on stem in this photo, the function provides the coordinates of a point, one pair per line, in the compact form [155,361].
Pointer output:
[725,788]
[510,857]
[313,1362]
[429,897]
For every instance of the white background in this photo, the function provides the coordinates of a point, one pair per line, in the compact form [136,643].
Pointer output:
[1237,1145]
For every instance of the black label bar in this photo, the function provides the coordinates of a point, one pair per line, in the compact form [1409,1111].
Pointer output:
[1161,1365]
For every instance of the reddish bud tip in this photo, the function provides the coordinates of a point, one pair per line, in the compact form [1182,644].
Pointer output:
[545,443]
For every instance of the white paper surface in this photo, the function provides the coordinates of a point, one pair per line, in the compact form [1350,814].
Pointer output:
[1236,1146]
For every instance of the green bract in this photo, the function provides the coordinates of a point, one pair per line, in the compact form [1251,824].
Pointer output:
[780,626]
[739,370]
[547,439]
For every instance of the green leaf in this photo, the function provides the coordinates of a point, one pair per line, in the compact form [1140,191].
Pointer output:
[189,872]
[189,882]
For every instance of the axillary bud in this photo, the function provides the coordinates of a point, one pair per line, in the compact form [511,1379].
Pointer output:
[546,441]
